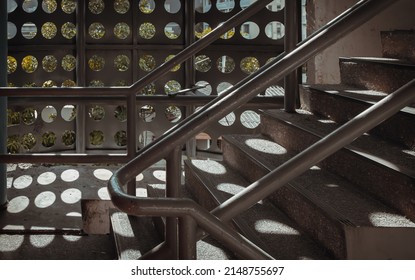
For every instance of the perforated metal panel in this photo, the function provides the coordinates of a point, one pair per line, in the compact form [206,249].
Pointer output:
[115,43]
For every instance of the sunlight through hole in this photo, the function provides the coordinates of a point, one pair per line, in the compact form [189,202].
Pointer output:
[46,178]
[22,182]
[274,227]
[70,175]
[71,196]
[45,199]
[18,204]
[210,166]
[265,146]
[41,241]
[102,174]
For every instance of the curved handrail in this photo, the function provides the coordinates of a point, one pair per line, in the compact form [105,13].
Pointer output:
[232,99]
[182,207]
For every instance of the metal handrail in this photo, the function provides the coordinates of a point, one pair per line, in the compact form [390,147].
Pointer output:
[238,95]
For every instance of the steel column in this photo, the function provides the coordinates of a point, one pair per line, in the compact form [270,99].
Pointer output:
[173,182]
[3,101]
[80,76]
[290,42]
[187,238]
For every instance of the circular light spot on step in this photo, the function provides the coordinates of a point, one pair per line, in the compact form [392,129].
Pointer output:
[265,146]
[18,204]
[102,174]
[274,227]
[383,219]
[46,178]
[22,182]
[70,175]
[71,196]
[210,166]
[230,188]
[45,199]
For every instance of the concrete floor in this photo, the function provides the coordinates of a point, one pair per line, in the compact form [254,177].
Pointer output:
[43,219]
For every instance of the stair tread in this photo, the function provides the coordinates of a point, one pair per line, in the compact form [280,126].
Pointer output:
[384,153]
[272,226]
[335,195]
[364,95]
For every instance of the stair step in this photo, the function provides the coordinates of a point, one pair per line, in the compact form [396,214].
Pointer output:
[328,207]
[341,103]
[206,249]
[398,44]
[212,183]
[377,167]
[381,74]
[131,241]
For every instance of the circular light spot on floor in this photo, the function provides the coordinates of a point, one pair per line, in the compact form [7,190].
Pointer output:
[18,204]
[10,243]
[103,193]
[102,174]
[70,175]
[139,177]
[71,196]
[46,178]
[22,182]
[160,175]
[45,199]
[74,214]
[41,241]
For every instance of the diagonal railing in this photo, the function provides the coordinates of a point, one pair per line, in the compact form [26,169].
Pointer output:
[241,93]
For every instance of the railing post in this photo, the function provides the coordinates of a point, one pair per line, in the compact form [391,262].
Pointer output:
[187,238]
[80,77]
[290,42]
[131,136]
[173,182]
[3,101]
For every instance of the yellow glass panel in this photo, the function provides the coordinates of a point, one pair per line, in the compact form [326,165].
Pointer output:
[68,62]
[49,30]
[96,6]
[121,30]
[96,63]
[121,6]
[49,63]
[96,30]
[11,64]
[68,6]
[121,62]
[68,30]
[29,64]
[147,30]
[147,62]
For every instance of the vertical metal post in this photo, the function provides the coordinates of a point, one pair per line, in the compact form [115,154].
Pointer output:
[131,136]
[80,76]
[3,101]
[173,182]
[190,78]
[290,42]
[187,238]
